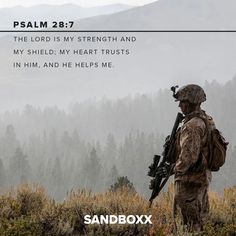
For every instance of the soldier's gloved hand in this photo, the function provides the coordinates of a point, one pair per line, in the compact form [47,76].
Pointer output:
[163,170]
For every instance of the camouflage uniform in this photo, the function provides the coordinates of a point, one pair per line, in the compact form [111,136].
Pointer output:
[192,176]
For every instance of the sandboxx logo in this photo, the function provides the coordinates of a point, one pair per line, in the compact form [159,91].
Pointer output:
[118,219]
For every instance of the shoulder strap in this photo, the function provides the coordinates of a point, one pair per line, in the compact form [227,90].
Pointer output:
[209,139]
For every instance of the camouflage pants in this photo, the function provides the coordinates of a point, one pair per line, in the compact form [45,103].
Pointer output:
[192,199]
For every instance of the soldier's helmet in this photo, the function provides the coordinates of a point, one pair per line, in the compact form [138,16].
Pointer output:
[192,93]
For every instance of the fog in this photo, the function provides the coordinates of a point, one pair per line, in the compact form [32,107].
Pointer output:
[95,142]
[83,127]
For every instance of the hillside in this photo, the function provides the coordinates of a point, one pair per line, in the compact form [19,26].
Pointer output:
[48,12]
[170,14]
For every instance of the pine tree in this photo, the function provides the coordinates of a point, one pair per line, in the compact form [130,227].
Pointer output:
[123,182]
[3,179]
[19,168]
[110,151]
[91,171]
[55,179]
[112,176]
[9,144]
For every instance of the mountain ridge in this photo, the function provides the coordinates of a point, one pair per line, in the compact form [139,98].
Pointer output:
[52,12]
[168,14]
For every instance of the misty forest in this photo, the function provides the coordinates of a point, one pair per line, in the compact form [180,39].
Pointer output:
[95,142]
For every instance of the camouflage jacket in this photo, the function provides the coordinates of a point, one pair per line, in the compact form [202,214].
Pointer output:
[192,150]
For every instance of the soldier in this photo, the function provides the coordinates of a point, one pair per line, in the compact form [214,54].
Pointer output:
[192,175]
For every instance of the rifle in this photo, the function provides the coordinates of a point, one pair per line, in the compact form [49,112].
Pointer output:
[158,180]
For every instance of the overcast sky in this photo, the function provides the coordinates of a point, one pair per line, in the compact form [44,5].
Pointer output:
[85,3]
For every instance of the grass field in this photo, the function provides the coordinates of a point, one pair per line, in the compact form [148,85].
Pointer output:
[29,211]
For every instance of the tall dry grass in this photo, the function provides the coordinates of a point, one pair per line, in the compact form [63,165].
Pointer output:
[28,210]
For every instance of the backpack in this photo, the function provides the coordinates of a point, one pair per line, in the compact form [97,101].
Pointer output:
[217,145]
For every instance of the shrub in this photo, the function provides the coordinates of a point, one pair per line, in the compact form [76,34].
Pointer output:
[123,183]
[29,211]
